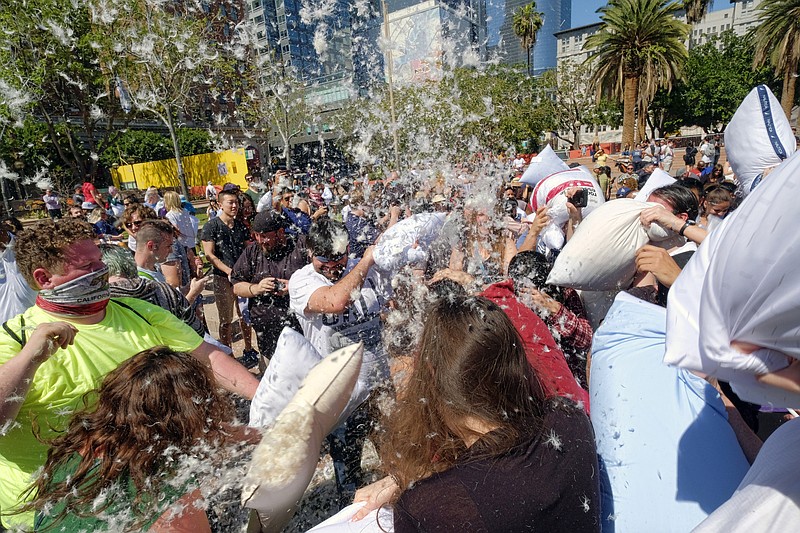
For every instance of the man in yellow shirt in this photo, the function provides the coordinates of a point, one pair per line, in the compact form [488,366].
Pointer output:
[63,346]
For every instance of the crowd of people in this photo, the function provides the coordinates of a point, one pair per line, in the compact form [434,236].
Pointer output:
[481,398]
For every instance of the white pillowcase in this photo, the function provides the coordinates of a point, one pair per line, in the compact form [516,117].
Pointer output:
[285,460]
[542,165]
[551,192]
[407,241]
[293,359]
[757,137]
[601,254]
[742,285]
[657,179]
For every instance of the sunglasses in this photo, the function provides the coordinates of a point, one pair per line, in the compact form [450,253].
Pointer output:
[335,259]
[134,224]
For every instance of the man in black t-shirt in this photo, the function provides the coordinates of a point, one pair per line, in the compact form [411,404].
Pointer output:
[262,274]
[224,239]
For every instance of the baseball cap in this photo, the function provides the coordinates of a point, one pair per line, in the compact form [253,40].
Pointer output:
[622,192]
[267,221]
[231,187]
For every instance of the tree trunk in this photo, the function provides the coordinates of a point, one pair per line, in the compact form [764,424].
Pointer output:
[177,150]
[787,94]
[529,62]
[629,109]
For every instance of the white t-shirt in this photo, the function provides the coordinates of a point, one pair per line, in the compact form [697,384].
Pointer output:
[16,295]
[183,221]
[360,322]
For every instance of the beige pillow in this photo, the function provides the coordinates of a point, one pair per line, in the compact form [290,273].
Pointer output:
[285,460]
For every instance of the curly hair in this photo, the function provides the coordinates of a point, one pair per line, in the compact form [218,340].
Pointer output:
[44,244]
[470,366]
[144,212]
[156,407]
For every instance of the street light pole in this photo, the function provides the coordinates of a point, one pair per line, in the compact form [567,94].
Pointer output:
[390,73]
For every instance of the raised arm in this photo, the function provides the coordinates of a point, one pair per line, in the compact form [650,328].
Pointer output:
[16,374]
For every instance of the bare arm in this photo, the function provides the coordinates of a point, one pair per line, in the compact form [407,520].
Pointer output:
[16,374]
[208,248]
[231,375]
[172,273]
[337,297]
[539,222]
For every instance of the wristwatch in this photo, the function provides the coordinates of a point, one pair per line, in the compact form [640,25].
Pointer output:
[686,225]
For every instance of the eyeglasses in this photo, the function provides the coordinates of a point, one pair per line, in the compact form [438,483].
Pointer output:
[127,203]
[288,198]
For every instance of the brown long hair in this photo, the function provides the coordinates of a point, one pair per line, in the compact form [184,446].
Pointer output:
[470,365]
[157,406]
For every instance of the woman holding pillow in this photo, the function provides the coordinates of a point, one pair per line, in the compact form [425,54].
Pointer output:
[471,444]
[120,465]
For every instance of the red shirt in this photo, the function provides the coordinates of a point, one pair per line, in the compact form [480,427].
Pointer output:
[541,350]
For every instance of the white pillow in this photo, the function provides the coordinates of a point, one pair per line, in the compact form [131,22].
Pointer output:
[657,179]
[542,165]
[551,192]
[407,241]
[758,137]
[742,285]
[293,359]
[601,254]
[285,460]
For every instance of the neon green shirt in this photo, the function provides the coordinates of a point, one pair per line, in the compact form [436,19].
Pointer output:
[61,381]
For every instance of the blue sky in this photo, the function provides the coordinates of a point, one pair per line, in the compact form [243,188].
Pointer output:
[583,11]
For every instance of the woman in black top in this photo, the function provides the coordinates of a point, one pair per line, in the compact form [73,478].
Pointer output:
[472,446]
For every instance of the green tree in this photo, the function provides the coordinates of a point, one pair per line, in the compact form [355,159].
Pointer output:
[719,75]
[695,9]
[571,104]
[526,24]
[469,111]
[167,57]
[50,70]
[277,103]
[640,47]
[777,40]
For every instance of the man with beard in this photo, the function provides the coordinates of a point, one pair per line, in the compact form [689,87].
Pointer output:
[61,348]
[261,274]
[338,302]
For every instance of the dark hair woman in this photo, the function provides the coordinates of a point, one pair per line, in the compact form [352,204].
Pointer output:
[117,464]
[472,446]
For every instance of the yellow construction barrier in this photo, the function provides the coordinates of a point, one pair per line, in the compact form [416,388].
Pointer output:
[217,167]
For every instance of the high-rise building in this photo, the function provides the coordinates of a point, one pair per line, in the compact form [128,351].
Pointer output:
[427,35]
[329,51]
[556,15]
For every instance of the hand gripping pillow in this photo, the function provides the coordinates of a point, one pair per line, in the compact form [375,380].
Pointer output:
[543,165]
[742,286]
[601,254]
[293,359]
[662,433]
[407,241]
[285,460]
[758,137]
[657,179]
[551,192]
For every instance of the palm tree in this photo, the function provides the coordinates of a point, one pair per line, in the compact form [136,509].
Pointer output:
[527,23]
[695,9]
[639,48]
[777,40]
